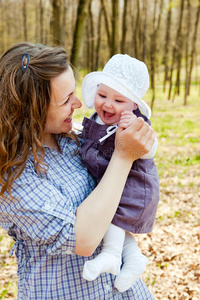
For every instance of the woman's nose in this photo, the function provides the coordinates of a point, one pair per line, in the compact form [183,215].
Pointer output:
[76,102]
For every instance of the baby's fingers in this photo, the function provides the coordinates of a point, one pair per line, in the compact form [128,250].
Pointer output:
[125,123]
[127,112]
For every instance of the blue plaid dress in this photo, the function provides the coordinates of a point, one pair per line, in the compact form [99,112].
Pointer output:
[41,218]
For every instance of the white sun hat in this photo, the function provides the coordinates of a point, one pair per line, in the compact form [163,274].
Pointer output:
[123,73]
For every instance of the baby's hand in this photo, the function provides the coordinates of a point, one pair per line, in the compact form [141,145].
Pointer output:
[127,118]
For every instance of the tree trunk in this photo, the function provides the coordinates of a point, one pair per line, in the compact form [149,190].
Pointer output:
[144,16]
[124,27]
[177,42]
[91,37]
[41,25]
[193,45]
[115,27]
[25,20]
[136,31]
[64,18]
[154,47]
[78,37]
[55,27]
[187,51]
[167,45]
[106,23]
[88,62]
[98,38]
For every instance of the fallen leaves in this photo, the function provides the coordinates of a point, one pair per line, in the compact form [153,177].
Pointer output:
[173,248]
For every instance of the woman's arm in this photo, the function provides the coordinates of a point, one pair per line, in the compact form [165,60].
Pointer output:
[96,212]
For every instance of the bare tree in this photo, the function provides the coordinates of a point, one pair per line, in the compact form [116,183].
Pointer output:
[177,45]
[82,13]
[153,45]
[112,30]
[107,27]
[194,44]
[167,44]
[115,27]
[188,29]
[98,38]
[92,37]
[144,32]
[124,26]
[55,27]
[63,21]
[136,32]
[41,26]
[25,20]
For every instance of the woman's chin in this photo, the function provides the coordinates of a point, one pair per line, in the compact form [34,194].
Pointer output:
[67,127]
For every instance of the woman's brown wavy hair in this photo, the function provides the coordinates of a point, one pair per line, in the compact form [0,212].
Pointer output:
[24,100]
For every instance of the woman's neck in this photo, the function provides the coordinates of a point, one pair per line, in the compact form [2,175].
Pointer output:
[50,141]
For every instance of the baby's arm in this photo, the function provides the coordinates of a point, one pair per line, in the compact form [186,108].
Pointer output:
[127,118]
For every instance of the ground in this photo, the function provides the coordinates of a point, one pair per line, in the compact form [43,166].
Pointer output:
[173,248]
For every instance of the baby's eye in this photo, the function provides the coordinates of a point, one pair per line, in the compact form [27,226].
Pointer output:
[118,101]
[102,96]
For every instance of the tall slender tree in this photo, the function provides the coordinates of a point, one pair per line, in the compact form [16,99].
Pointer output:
[124,26]
[107,26]
[193,48]
[167,45]
[144,31]
[136,32]
[79,32]
[153,46]
[63,21]
[98,38]
[177,45]
[188,29]
[55,27]
[41,26]
[115,27]
[91,38]
[24,11]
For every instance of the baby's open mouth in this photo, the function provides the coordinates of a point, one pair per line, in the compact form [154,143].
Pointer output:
[108,114]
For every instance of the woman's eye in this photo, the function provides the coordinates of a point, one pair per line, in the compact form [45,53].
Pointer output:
[66,101]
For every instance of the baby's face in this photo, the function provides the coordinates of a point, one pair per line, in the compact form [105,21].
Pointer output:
[109,104]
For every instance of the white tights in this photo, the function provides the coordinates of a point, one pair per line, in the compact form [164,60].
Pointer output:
[110,259]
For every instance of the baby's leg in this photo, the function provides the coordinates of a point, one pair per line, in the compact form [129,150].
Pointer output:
[109,260]
[134,264]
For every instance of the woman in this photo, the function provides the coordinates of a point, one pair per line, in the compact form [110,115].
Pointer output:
[44,182]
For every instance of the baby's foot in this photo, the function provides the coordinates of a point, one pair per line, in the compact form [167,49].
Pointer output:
[133,268]
[104,262]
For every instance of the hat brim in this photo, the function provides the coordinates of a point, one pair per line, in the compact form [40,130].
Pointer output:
[92,80]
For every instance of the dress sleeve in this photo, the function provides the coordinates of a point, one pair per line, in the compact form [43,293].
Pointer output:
[41,214]
[152,152]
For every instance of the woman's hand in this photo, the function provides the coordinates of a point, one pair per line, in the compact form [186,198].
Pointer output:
[134,141]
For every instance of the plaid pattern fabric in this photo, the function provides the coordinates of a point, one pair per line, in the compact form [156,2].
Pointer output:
[41,218]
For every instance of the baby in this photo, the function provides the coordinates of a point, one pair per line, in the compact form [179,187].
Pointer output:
[116,94]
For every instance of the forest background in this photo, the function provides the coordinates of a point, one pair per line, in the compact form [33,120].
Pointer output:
[165,34]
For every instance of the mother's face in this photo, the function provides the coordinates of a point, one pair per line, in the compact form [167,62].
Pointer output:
[63,103]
